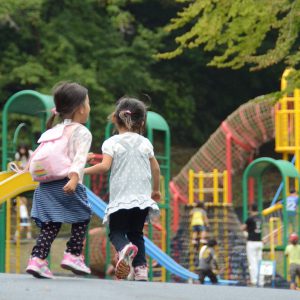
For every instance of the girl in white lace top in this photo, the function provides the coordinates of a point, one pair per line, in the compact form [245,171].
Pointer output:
[134,186]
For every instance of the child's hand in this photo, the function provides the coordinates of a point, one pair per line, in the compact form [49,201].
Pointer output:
[70,187]
[90,157]
[156,195]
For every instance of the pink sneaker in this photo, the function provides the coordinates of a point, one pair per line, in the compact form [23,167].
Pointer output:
[126,256]
[75,264]
[39,268]
[141,273]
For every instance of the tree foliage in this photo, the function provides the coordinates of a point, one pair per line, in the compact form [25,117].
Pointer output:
[110,46]
[256,33]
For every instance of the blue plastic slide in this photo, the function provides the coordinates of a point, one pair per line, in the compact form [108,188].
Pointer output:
[98,206]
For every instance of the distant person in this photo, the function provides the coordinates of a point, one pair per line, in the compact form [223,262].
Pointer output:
[25,223]
[61,197]
[291,208]
[22,156]
[199,223]
[208,265]
[293,253]
[130,157]
[254,246]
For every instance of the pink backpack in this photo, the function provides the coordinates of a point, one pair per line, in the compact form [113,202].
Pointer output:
[50,161]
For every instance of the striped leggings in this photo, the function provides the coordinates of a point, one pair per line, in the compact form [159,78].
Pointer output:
[48,234]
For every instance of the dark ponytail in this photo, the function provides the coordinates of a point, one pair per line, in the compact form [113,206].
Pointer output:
[50,121]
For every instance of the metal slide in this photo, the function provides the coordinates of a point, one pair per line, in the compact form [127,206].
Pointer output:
[98,207]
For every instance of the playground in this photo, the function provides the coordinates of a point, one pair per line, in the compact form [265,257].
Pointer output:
[207,178]
[177,170]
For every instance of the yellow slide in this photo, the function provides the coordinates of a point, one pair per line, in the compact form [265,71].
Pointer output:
[12,184]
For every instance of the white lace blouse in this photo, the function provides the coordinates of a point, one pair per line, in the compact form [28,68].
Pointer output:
[79,146]
[130,177]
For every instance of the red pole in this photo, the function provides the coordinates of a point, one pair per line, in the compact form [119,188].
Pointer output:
[229,166]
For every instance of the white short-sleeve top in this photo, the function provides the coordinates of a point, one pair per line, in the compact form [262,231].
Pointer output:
[130,177]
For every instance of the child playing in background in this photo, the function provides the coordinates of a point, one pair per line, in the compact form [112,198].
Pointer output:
[131,159]
[63,200]
[208,262]
[293,252]
[24,220]
[291,207]
[22,156]
[199,223]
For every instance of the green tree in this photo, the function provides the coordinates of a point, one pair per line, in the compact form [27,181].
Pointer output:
[255,33]
[109,46]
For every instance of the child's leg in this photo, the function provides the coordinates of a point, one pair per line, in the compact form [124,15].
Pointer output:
[73,260]
[37,265]
[136,236]
[28,233]
[202,275]
[203,234]
[44,241]
[78,233]
[118,226]
[212,276]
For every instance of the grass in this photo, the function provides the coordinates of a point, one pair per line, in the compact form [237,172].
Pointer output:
[57,251]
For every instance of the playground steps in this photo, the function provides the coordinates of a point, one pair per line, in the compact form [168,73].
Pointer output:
[225,227]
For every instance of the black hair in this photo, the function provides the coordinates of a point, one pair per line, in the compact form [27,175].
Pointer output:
[131,114]
[26,150]
[68,96]
[199,204]
[212,243]
[254,207]
[292,191]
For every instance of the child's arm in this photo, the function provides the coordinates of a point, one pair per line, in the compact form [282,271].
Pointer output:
[155,171]
[100,168]
[70,187]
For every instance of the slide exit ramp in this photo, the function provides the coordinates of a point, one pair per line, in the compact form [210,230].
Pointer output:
[98,206]
[13,184]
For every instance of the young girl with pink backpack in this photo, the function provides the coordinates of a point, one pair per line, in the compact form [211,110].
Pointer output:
[58,165]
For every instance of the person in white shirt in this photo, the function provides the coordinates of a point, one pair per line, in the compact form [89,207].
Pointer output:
[132,199]
[25,223]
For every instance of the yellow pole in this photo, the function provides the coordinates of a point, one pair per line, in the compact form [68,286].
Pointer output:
[216,186]
[297,130]
[285,74]
[279,235]
[191,186]
[272,242]
[8,233]
[201,184]
[277,126]
[225,187]
[18,238]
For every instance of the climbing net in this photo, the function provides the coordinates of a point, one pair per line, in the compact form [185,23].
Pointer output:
[250,126]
